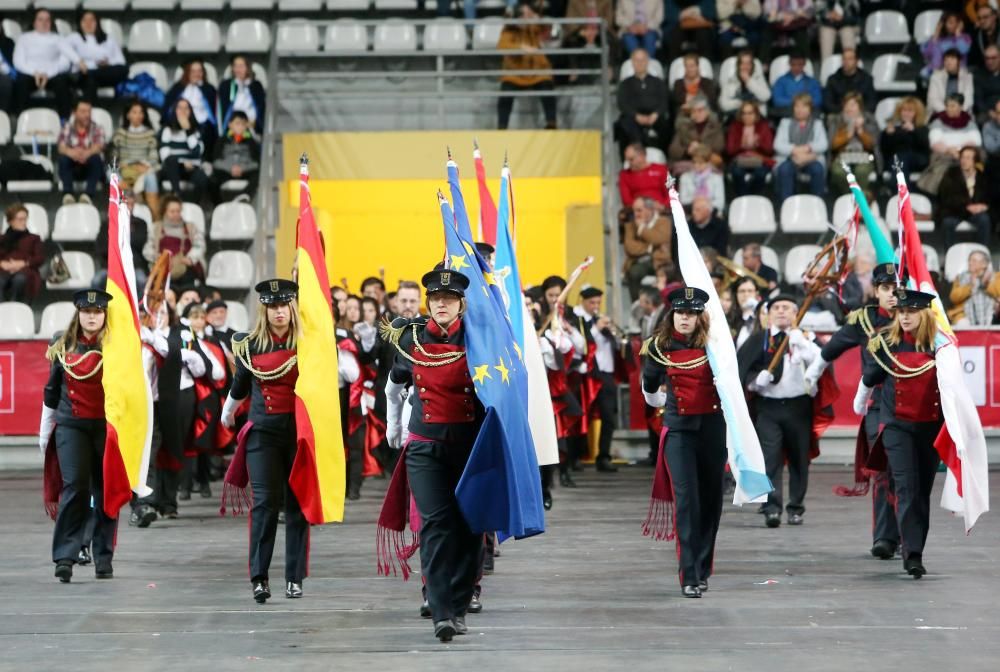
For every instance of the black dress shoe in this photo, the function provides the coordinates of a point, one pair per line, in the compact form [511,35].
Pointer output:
[547,501]
[293,590]
[575,465]
[488,563]
[772,519]
[83,558]
[475,604]
[261,591]
[104,570]
[883,549]
[183,495]
[914,566]
[460,627]
[606,467]
[205,491]
[425,609]
[795,519]
[64,571]
[690,591]
[142,516]
[703,586]
[566,481]
[354,495]
[444,630]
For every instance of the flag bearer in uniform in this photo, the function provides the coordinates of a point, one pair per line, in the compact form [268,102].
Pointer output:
[73,417]
[904,365]
[677,377]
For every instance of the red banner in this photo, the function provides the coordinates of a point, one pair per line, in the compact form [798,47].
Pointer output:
[23,374]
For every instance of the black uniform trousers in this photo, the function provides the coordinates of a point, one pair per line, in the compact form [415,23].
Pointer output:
[914,463]
[168,480]
[80,449]
[785,430]
[607,408]
[270,455]
[450,553]
[884,525]
[354,443]
[696,461]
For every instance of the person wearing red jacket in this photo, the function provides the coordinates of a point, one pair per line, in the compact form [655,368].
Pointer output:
[750,148]
[642,179]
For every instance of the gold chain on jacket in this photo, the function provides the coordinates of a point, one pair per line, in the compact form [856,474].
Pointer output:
[652,349]
[908,372]
[241,349]
[68,368]
[392,335]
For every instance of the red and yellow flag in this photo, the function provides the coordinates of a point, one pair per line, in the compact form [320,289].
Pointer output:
[128,398]
[318,476]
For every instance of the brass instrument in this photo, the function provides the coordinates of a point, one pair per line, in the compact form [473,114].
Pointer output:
[735,271]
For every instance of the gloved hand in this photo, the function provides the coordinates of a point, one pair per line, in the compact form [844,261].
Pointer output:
[366,335]
[861,399]
[764,378]
[814,372]
[46,426]
[394,413]
[797,338]
[583,368]
[228,418]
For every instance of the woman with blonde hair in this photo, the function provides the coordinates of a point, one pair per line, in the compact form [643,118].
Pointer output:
[906,136]
[184,240]
[903,364]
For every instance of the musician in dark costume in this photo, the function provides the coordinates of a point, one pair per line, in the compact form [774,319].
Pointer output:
[603,361]
[73,417]
[676,377]
[904,365]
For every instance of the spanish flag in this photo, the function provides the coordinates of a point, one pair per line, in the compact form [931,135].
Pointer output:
[128,397]
[318,476]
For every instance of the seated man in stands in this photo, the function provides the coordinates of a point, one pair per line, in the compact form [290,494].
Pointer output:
[81,149]
[21,255]
[646,242]
[987,83]
[965,196]
[791,84]
[642,101]
[642,179]
[953,77]
[237,157]
[975,293]
[849,78]
[639,24]
[707,227]
[991,143]
[137,240]
[752,261]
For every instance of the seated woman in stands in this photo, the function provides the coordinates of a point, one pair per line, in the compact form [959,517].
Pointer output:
[21,255]
[182,151]
[99,60]
[800,146]
[242,93]
[195,89]
[42,60]
[949,132]
[750,147]
[906,136]
[975,293]
[184,240]
[746,84]
[138,156]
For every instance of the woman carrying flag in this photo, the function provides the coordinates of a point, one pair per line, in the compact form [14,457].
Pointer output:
[904,365]
[677,377]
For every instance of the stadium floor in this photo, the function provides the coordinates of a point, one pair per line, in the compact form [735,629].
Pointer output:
[590,594]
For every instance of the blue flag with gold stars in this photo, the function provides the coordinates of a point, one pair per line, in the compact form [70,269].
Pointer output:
[500,489]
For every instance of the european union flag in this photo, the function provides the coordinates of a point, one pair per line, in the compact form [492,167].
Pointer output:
[500,488]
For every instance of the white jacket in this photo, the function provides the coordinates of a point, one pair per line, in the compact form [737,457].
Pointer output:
[729,96]
[936,90]
[47,53]
[92,52]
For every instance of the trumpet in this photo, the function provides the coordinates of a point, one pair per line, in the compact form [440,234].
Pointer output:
[735,271]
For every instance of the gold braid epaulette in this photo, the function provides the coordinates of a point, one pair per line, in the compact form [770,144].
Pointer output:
[651,349]
[860,316]
[59,354]
[241,350]
[393,334]
[879,343]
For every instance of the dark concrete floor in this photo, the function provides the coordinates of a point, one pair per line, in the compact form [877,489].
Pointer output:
[590,594]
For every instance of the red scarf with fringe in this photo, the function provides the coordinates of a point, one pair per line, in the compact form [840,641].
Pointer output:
[659,522]
[393,546]
[237,479]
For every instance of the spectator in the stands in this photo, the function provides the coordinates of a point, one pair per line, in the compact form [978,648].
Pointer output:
[858,289]
[750,148]
[182,151]
[81,148]
[99,59]
[965,196]
[642,179]
[692,84]
[708,228]
[788,24]
[740,25]
[134,143]
[793,83]
[849,78]
[975,293]
[526,41]
[703,180]
[699,126]
[242,92]
[752,261]
[237,157]
[949,132]
[838,18]
[991,143]
[642,102]
[646,243]
[951,78]
[468,7]
[639,24]
[800,146]
[184,240]
[589,36]
[741,315]
[949,35]
[7,72]
[853,135]
[987,33]
[138,231]
[747,83]
[42,59]
[21,256]
[987,83]
[906,136]
[201,97]
[687,22]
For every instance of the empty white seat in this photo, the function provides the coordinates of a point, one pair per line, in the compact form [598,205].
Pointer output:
[147,5]
[154,70]
[804,213]
[677,69]
[250,36]
[142,211]
[251,4]
[5,129]
[11,28]
[407,5]
[114,30]
[236,316]
[751,214]
[829,66]
[956,259]
[768,257]
[63,27]
[884,111]
[922,212]
[58,4]
[37,124]
[193,214]
[102,4]
[626,71]
[17,186]
[395,35]
[259,73]
[348,5]
[102,118]
[445,35]
[203,5]
[230,269]
[346,35]
[154,117]
[886,26]
[233,221]
[150,36]
[931,257]
[925,24]
[779,66]
[297,36]
[199,36]
[487,34]
[211,74]
[17,320]
[76,222]
[81,271]
[797,261]
[884,73]
[300,5]
[55,317]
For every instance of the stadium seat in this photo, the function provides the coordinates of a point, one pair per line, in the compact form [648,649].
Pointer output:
[348,5]
[626,71]
[55,317]
[150,5]
[797,260]
[154,70]
[886,26]
[203,5]
[751,214]
[248,36]
[17,321]
[5,130]
[76,222]
[445,35]
[193,214]
[233,221]
[18,186]
[237,318]
[259,72]
[931,256]
[37,124]
[395,35]
[925,24]
[211,74]
[297,36]
[487,34]
[243,5]
[11,28]
[230,269]
[804,213]
[81,271]
[199,36]
[728,68]
[142,211]
[300,5]
[150,36]
[779,66]
[58,5]
[102,118]
[884,74]
[956,259]
[63,27]
[767,256]
[404,5]
[114,30]
[346,35]
[884,111]
[677,69]
[843,211]
[656,155]
[920,204]
[103,4]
